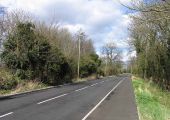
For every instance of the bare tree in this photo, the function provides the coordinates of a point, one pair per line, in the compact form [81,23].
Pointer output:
[111,56]
[150,33]
[111,52]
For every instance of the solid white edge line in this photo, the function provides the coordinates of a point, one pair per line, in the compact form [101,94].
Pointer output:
[6,114]
[51,99]
[102,100]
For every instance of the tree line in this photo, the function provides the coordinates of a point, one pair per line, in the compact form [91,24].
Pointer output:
[46,52]
[150,38]
[49,53]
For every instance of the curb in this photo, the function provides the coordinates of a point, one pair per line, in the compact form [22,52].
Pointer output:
[10,96]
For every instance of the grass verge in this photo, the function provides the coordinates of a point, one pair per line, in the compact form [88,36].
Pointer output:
[24,87]
[11,84]
[152,102]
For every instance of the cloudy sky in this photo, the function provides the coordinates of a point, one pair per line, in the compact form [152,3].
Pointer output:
[102,20]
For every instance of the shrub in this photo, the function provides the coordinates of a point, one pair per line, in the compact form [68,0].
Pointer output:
[89,65]
[7,80]
[58,69]
[31,56]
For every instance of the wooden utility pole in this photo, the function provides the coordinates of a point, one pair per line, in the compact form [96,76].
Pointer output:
[78,68]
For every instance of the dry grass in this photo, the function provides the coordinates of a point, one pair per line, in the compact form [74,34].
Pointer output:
[92,77]
[11,84]
[23,87]
[28,86]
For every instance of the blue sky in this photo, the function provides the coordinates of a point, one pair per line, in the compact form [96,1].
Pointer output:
[103,20]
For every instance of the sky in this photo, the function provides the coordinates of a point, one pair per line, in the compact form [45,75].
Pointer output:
[102,20]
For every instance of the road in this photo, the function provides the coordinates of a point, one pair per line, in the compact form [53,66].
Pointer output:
[110,98]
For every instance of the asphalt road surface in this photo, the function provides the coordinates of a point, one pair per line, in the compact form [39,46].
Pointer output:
[110,98]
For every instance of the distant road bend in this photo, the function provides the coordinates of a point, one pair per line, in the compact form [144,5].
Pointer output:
[110,98]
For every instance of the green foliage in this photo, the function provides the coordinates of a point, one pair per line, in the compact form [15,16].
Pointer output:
[7,79]
[7,84]
[150,33]
[47,54]
[39,54]
[18,45]
[89,65]
[31,56]
[59,70]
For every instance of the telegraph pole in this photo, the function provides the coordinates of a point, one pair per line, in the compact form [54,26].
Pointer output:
[80,37]
[78,68]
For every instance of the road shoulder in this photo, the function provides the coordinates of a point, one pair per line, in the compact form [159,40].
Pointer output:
[119,105]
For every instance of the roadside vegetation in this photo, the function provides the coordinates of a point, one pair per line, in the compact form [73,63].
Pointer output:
[153,103]
[150,38]
[35,54]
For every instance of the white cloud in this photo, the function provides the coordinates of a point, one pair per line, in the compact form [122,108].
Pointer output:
[74,28]
[127,55]
[102,20]
[125,1]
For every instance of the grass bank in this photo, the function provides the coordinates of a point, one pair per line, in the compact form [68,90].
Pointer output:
[23,87]
[11,84]
[152,102]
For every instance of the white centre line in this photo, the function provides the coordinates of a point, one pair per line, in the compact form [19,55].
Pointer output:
[67,94]
[97,83]
[52,99]
[81,88]
[6,114]
[88,86]
[102,100]
[102,82]
[94,84]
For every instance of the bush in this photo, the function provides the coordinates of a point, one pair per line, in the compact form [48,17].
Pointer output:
[24,74]
[58,69]
[7,80]
[31,56]
[89,65]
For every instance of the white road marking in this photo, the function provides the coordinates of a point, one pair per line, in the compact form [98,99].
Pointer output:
[102,100]
[102,82]
[67,94]
[94,84]
[52,99]
[97,83]
[6,114]
[81,88]
[88,86]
